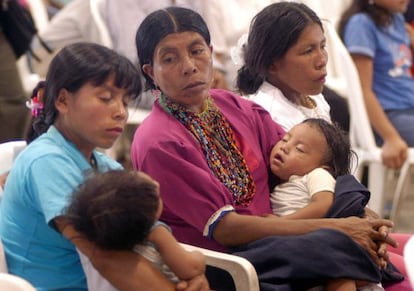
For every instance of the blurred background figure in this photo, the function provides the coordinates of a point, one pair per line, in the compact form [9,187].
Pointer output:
[14,116]
[375,34]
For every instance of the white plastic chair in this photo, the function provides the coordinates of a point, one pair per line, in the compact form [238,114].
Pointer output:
[8,152]
[241,270]
[9,282]
[409,260]
[3,264]
[343,70]
[96,8]
[38,12]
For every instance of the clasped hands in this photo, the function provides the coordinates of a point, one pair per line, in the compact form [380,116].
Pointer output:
[372,234]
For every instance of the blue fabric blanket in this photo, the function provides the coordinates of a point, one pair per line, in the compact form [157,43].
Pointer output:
[304,261]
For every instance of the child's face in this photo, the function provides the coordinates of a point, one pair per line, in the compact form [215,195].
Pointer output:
[150,180]
[301,150]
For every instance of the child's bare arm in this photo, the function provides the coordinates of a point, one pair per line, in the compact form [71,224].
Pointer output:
[126,270]
[317,208]
[184,264]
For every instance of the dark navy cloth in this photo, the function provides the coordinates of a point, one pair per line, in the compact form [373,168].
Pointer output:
[350,198]
[304,261]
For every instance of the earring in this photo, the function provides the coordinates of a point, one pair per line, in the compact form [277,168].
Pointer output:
[156,92]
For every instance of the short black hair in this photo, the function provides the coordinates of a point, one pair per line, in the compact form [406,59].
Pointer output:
[115,209]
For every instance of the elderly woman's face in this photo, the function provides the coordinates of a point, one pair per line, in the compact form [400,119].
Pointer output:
[182,67]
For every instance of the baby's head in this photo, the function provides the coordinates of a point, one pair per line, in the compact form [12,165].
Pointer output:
[311,144]
[116,209]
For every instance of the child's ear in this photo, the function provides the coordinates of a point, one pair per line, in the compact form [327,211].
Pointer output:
[61,101]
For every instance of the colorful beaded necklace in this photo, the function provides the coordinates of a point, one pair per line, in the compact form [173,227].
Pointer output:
[216,138]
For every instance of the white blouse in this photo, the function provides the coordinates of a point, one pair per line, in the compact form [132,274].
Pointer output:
[286,113]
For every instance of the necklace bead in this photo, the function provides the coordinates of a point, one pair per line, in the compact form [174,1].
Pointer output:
[309,108]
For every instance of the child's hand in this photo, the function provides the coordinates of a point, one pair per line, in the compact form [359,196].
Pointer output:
[197,283]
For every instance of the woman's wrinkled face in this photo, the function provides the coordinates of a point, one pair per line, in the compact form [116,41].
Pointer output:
[94,116]
[302,70]
[301,150]
[182,67]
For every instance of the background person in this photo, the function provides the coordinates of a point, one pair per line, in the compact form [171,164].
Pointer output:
[284,70]
[375,34]
[13,114]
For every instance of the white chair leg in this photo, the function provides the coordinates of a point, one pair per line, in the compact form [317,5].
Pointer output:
[376,181]
[399,194]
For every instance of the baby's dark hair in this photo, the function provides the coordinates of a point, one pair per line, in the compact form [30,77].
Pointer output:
[339,155]
[115,209]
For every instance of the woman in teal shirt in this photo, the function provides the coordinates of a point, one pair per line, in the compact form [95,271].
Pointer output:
[83,107]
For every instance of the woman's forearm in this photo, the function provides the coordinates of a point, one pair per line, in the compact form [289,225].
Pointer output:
[235,229]
[129,271]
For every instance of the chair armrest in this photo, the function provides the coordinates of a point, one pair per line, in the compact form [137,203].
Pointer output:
[241,270]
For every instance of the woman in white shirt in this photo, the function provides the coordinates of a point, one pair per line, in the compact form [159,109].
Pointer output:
[285,64]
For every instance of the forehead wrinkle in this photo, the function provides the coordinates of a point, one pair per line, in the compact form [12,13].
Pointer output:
[168,48]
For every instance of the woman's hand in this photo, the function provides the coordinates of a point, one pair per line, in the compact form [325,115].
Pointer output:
[382,246]
[394,153]
[197,283]
[371,234]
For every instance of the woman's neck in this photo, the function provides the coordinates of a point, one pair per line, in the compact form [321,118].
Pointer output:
[294,96]
[86,152]
[291,95]
[197,106]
